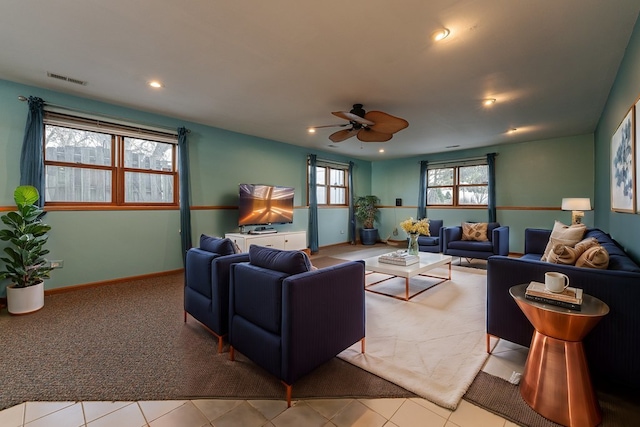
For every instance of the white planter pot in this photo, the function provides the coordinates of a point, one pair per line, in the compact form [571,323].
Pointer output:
[25,300]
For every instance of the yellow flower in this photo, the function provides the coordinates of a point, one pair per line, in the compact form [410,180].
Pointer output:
[416,226]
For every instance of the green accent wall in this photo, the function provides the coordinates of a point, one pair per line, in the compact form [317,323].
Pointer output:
[105,245]
[531,180]
[624,227]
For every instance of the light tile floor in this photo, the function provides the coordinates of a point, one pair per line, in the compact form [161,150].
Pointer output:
[504,360]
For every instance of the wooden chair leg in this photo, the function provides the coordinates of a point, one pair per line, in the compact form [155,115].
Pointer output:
[185,316]
[489,342]
[362,345]
[220,344]
[288,389]
[232,355]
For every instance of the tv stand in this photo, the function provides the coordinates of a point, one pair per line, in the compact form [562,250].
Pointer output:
[287,240]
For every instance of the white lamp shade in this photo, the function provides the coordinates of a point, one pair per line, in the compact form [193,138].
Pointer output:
[576,204]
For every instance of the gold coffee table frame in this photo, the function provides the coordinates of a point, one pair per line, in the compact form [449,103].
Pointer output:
[428,261]
[556,381]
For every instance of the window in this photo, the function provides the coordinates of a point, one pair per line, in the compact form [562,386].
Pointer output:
[331,184]
[91,163]
[458,186]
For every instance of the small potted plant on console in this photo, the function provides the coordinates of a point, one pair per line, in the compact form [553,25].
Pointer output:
[367,212]
[25,266]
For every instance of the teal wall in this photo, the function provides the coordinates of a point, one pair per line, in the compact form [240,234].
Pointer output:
[531,180]
[624,227]
[110,244]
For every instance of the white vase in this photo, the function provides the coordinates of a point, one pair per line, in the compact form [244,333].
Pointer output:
[25,300]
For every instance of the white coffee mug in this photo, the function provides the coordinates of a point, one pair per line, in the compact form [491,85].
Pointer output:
[555,282]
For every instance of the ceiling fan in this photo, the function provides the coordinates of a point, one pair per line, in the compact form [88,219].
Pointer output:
[374,126]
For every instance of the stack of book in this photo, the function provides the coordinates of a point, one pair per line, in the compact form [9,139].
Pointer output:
[569,298]
[399,258]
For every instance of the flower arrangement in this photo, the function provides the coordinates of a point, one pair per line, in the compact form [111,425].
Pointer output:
[413,226]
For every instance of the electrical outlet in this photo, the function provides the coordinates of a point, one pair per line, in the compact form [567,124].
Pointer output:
[58,263]
[341,231]
[395,231]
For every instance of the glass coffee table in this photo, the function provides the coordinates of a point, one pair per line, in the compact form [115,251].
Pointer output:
[428,261]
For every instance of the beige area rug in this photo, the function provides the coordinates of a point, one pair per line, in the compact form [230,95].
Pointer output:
[432,345]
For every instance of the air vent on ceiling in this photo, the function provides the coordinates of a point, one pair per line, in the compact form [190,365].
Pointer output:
[66,79]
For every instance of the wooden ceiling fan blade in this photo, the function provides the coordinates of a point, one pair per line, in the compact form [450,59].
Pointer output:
[369,135]
[341,135]
[353,117]
[386,123]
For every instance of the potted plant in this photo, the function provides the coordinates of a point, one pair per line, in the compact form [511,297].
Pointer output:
[25,266]
[366,212]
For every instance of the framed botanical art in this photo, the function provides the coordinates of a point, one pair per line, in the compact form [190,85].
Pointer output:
[622,165]
[636,124]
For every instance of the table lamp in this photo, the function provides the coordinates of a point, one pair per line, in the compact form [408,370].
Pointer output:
[577,206]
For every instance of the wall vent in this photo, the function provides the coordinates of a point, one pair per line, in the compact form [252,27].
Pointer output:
[66,79]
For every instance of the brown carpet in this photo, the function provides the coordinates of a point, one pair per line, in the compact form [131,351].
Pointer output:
[503,398]
[129,342]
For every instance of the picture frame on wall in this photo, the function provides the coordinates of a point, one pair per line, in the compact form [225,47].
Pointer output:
[623,192]
[637,152]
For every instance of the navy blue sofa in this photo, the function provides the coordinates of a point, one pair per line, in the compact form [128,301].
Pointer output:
[433,242]
[290,320]
[498,243]
[206,289]
[612,347]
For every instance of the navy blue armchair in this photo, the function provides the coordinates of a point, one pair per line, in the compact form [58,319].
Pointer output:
[289,320]
[498,243]
[433,242]
[206,290]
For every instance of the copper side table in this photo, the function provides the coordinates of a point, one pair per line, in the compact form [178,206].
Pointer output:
[556,382]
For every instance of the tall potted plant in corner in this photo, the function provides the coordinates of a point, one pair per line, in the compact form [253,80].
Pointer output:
[366,213]
[25,266]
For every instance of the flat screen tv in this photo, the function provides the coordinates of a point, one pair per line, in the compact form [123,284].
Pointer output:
[265,204]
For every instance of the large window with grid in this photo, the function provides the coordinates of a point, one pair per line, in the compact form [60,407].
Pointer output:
[464,186]
[91,163]
[331,184]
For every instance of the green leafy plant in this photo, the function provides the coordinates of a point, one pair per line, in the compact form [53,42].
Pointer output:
[366,210]
[27,234]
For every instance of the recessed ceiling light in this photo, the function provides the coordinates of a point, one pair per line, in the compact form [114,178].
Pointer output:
[512,130]
[312,130]
[155,84]
[441,34]
[381,150]
[488,101]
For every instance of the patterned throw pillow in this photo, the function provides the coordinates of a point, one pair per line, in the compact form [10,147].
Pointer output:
[594,257]
[474,231]
[564,234]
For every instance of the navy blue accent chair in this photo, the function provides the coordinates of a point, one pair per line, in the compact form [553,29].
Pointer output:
[498,243]
[433,242]
[206,290]
[288,320]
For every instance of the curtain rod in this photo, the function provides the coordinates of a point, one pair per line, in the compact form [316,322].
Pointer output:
[104,116]
[467,159]
[331,162]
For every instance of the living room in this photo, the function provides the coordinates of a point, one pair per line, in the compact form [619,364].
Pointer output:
[532,177]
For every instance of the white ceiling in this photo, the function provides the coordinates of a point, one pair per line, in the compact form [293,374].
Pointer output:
[273,68]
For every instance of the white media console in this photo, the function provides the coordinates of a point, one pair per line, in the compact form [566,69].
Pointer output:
[287,240]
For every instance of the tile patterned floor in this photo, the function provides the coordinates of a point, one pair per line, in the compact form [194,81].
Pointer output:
[505,359]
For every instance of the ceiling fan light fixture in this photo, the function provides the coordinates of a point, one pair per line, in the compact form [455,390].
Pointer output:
[441,34]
